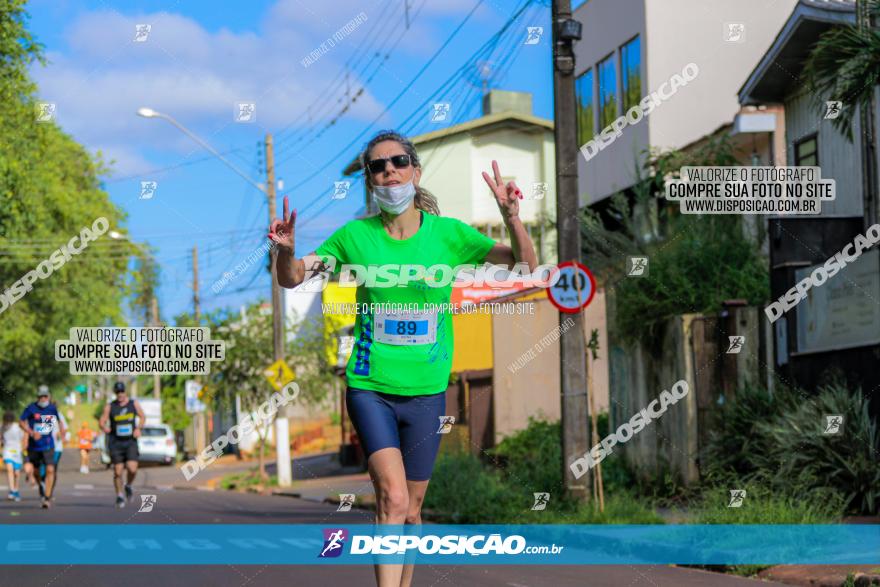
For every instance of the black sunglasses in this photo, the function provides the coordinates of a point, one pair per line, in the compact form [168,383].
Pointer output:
[399,162]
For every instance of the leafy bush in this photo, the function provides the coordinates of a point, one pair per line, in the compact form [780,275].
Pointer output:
[531,459]
[715,248]
[801,455]
[779,440]
[465,490]
[462,491]
[735,438]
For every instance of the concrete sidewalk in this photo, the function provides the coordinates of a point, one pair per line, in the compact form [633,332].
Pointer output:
[322,478]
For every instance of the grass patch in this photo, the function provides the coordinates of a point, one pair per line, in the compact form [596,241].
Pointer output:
[764,506]
[247,480]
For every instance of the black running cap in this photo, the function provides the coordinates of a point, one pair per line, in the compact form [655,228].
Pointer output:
[118,387]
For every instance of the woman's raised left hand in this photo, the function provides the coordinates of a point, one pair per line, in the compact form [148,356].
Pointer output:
[507,196]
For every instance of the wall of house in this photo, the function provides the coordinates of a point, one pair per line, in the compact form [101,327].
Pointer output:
[438,158]
[838,157]
[532,390]
[673,34]
[683,31]
[608,24]
[521,158]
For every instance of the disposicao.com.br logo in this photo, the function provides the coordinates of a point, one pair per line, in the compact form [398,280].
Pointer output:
[449,544]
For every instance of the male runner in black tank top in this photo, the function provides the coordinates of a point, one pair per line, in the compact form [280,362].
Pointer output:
[121,422]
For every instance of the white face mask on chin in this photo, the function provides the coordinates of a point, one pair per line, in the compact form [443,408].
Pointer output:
[394,199]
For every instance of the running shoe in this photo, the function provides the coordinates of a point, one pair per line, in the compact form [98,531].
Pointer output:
[17,496]
[10,496]
[45,503]
[120,501]
[129,494]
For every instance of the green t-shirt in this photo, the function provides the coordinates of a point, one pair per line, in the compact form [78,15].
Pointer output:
[403,369]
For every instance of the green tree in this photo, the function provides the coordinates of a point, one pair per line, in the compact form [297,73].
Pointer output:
[49,191]
[695,262]
[845,65]
[249,350]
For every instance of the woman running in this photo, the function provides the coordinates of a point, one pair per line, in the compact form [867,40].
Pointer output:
[13,445]
[399,368]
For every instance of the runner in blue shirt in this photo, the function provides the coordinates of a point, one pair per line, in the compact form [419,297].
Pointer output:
[38,421]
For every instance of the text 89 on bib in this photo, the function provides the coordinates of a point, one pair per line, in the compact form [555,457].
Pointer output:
[405,328]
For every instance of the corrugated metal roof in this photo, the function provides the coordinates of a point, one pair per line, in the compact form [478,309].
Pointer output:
[843,5]
[791,46]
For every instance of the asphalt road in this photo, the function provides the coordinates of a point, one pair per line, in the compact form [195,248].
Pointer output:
[88,499]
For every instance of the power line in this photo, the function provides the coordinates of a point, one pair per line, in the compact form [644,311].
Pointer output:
[159,170]
[349,65]
[346,148]
[333,121]
[488,44]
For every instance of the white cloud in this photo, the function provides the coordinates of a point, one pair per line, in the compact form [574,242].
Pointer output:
[197,75]
[182,70]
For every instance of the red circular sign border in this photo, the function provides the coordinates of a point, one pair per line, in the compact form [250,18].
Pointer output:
[562,308]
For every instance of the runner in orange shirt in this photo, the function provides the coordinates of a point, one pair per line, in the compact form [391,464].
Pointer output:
[86,438]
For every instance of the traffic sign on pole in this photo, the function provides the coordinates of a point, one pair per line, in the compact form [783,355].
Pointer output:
[278,374]
[570,296]
[191,397]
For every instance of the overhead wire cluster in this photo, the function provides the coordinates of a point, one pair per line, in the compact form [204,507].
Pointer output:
[503,44]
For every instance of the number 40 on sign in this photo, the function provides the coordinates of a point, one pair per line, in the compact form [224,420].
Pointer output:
[574,278]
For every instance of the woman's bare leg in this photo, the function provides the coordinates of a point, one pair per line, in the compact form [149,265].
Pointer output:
[392,503]
[416,490]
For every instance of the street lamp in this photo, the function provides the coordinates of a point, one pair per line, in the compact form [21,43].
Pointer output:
[282,432]
[150,113]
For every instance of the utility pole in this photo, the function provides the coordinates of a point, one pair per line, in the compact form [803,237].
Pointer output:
[157,379]
[282,429]
[573,364]
[868,127]
[195,260]
[199,421]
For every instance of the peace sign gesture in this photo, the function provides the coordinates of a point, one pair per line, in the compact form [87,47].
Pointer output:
[281,231]
[507,196]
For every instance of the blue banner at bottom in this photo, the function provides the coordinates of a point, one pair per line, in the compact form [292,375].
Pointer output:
[286,544]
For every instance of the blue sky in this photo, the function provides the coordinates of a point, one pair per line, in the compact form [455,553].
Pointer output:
[202,57]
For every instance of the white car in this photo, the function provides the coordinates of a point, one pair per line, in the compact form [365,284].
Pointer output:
[155,445]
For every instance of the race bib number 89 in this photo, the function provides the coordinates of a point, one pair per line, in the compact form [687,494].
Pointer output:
[123,430]
[406,328]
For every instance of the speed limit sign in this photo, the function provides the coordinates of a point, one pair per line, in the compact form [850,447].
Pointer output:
[572,277]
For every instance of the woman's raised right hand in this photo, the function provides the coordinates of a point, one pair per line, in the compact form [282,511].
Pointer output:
[281,231]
